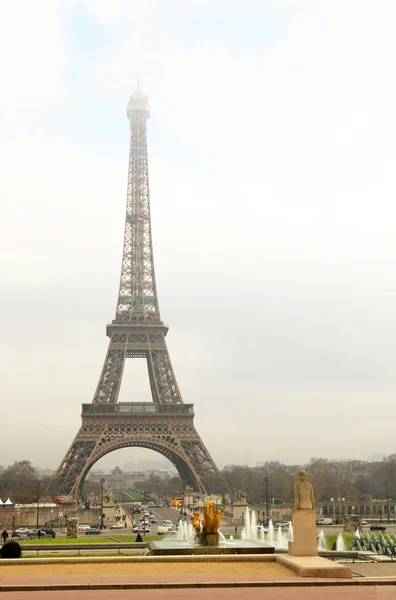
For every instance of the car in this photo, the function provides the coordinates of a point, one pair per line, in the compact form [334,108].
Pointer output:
[260,527]
[153,520]
[167,523]
[83,527]
[377,528]
[140,529]
[282,525]
[93,531]
[22,530]
[48,531]
[117,526]
[34,533]
[324,521]
[363,523]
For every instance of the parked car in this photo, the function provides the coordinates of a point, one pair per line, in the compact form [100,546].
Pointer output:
[153,520]
[117,526]
[22,531]
[364,523]
[93,531]
[34,533]
[48,531]
[83,528]
[377,528]
[324,521]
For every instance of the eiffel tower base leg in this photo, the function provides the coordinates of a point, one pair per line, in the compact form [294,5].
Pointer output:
[169,431]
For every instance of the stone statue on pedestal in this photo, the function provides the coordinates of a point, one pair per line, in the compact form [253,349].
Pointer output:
[304,519]
[303,493]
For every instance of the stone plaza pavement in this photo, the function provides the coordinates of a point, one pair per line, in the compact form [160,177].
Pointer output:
[165,587]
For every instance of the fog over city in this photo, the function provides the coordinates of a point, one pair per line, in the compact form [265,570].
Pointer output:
[272,155]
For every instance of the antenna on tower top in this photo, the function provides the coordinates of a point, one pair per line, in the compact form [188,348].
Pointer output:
[138,83]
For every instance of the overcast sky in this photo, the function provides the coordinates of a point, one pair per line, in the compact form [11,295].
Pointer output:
[272,176]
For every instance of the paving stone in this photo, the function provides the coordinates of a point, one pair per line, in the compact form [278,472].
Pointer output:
[178,584]
[106,586]
[142,586]
[69,586]
[24,588]
[253,583]
[216,584]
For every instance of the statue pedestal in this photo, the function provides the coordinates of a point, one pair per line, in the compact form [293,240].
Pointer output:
[304,534]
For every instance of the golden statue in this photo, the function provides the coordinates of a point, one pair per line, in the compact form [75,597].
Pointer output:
[197,523]
[211,519]
[216,521]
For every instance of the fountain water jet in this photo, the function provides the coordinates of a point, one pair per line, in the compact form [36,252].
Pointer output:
[290,536]
[321,541]
[340,544]
[246,523]
[253,527]
[262,534]
[271,532]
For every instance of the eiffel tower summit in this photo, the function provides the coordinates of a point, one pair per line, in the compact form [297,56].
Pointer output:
[166,424]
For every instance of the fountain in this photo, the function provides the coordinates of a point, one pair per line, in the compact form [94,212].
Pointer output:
[321,541]
[246,523]
[290,536]
[253,527]
[340,544]
[270,532]
[262,534]
[204,537]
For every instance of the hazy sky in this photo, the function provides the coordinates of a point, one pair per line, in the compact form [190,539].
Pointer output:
[272,175]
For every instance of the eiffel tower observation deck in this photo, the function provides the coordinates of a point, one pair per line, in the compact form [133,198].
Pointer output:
[137,331]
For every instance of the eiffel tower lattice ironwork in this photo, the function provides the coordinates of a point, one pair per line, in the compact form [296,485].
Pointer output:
[166,424]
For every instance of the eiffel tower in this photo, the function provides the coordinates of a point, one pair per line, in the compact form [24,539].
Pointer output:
[165,424]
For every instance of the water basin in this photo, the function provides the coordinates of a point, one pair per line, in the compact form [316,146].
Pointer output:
[178,547]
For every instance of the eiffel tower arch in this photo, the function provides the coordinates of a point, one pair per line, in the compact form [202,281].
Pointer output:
[164,425]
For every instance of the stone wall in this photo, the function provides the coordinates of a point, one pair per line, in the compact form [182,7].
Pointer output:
[27,517]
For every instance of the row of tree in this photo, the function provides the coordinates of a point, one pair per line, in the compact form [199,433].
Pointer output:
[354,480]
[358,481]
[19,482]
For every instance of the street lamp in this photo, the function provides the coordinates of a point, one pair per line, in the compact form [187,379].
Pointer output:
[266,480]
[387,499]
[38,504]
[341,500]
[102,481]
[334,515]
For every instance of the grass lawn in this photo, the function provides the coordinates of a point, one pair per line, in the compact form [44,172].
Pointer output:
[88,539]
[92,539]
[145,538]
[79,555]
[331,539]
